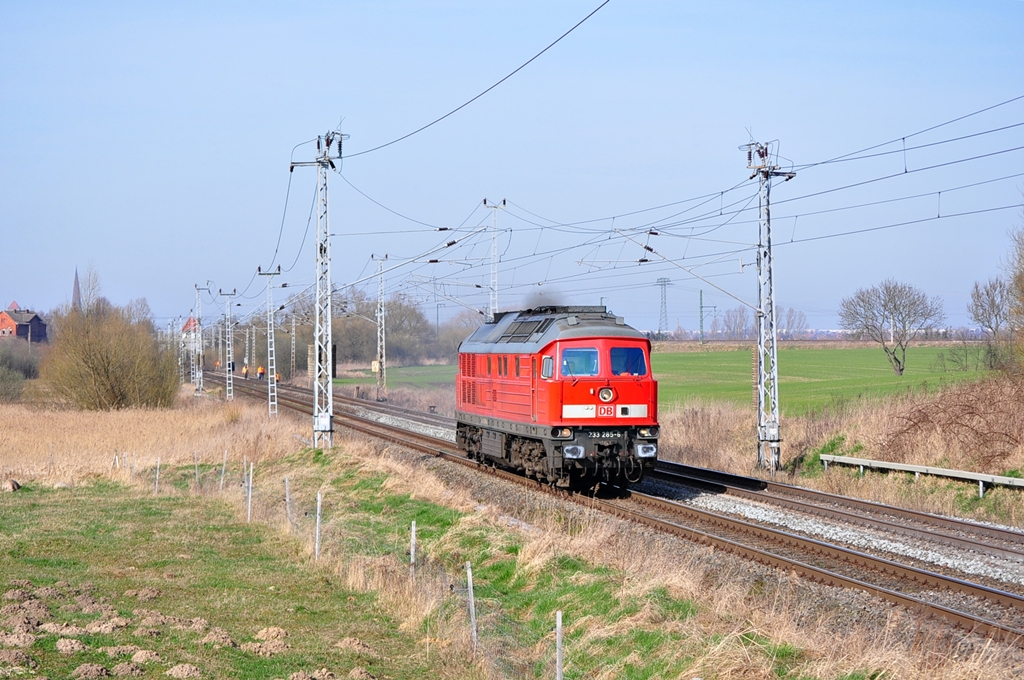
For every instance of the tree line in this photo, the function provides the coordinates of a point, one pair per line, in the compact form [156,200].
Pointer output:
[411,338]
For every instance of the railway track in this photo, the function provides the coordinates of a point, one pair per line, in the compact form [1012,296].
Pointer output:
[948,531]
[978,608]
[944,531]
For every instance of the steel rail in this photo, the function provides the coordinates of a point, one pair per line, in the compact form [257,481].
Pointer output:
[824,504]
[816,503]
[964,620]
[815,508]
[970,622]
[432,419]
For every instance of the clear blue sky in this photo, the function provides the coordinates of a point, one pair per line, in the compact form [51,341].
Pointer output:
[152,142]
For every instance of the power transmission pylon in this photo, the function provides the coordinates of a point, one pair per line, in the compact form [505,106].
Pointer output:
[271,358]
[663,321]
[382,352]
[229,359]
[759,159]
[323,391]
[492,307]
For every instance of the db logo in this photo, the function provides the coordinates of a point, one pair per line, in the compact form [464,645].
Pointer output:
[605,411]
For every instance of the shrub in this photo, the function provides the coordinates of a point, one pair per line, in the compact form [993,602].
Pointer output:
[11,384]
[105,357]
[18,355]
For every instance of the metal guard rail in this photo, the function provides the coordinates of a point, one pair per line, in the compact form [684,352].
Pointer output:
[981,478]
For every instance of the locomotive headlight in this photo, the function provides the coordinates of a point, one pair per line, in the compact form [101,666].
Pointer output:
[561,432]
[606,394]
[573,451]
[646,450]
[648,432]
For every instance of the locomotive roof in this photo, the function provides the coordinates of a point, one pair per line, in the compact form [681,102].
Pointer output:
[529,330]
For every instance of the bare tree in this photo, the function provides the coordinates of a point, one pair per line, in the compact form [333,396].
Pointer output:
[105,357]
[891,314]
[736,322]
[1015,270]
[990,308]
[792,322]
[455,330]
[715,331]
[990,305]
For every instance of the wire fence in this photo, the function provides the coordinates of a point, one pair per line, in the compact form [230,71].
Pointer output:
[459,623]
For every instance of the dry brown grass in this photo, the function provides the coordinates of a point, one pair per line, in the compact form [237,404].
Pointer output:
[70,446]
[977,426]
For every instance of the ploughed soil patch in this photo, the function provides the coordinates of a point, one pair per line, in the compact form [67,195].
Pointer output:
[104,582]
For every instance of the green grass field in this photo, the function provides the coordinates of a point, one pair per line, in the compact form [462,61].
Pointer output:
[406,376]
[204,562]
[809,379]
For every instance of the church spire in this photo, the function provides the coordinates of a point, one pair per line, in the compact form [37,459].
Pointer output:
[76,295]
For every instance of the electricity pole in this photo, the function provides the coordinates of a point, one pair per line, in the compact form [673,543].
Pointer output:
[271,360]
[229,360]
[382,376]
[323,392]
[759,159]
[492,307]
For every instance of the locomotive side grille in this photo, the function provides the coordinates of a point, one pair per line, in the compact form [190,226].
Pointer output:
[467,365]
[468,393]
[520,331]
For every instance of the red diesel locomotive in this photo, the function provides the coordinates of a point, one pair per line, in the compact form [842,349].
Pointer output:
[562,394]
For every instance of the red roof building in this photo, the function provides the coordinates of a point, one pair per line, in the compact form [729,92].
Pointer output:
[22,323]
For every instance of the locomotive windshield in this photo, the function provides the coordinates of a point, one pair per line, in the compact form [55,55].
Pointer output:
[579,362]
[628,361]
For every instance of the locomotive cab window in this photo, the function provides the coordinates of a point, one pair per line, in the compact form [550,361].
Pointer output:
[628,361]
[547,367]
[579,362]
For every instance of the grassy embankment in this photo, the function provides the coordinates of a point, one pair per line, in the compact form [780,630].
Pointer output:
[630,611]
